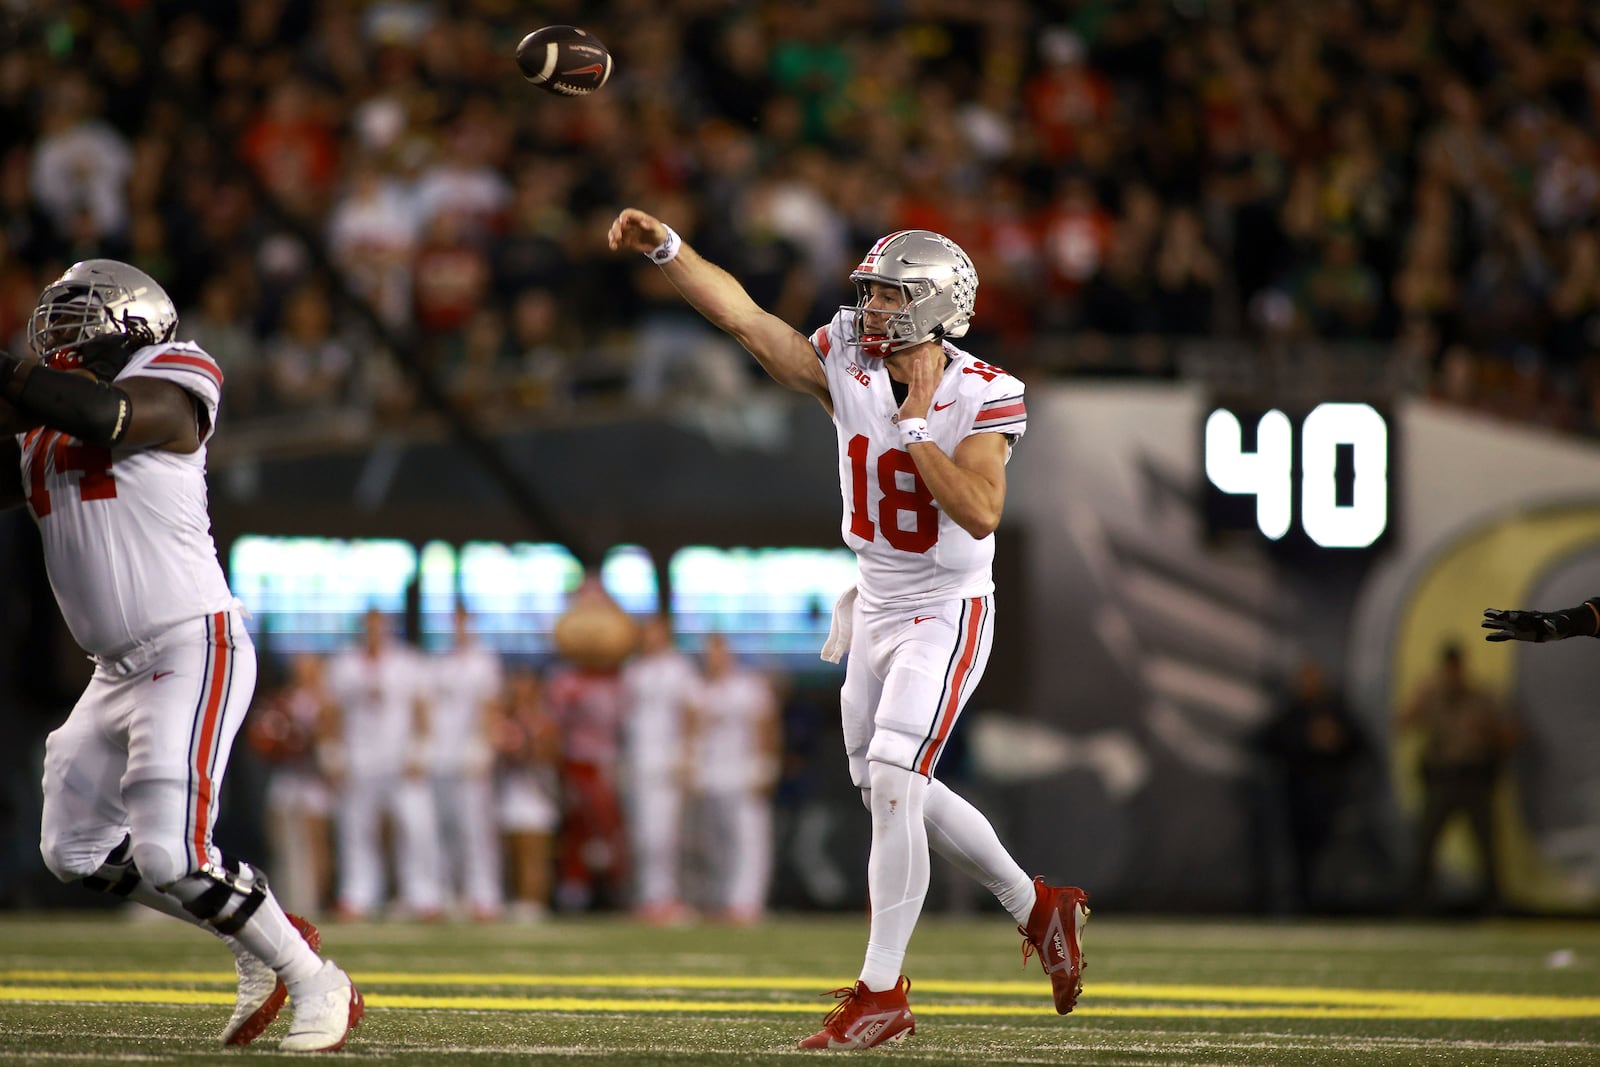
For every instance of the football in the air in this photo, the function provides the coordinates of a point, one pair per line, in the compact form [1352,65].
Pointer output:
[564,60]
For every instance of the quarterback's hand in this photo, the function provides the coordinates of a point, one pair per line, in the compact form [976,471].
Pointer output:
[637,231]
[1519,626]
[923,370]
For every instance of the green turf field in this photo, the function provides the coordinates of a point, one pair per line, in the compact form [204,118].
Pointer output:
[103,989]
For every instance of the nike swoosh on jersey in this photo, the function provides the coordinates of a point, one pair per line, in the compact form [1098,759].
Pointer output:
[941,407]
[158,675]
[922,618]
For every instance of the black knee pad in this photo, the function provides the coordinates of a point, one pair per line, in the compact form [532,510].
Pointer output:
[223,896]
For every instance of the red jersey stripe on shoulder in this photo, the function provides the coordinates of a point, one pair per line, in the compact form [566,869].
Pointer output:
[190,362]
[821,342]
[1010,411]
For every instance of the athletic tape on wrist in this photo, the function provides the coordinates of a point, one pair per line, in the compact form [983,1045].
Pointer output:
[667,250]
[913,431]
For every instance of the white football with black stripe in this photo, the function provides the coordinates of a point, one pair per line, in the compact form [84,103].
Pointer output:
[564,60]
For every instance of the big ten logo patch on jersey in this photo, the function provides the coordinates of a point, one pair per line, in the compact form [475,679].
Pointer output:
[859,373]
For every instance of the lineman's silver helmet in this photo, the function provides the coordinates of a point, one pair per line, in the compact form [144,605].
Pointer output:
[939,282]
[95,297]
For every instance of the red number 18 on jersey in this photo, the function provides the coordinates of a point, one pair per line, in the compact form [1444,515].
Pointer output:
[916,501]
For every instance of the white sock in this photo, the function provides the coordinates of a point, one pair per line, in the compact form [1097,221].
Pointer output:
[959,832]
[274,940]
[897,871]
[328,975]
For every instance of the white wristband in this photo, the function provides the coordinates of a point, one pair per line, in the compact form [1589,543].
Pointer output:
[913,431]
[667,250]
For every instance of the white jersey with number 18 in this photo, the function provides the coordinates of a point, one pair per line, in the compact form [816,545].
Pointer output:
[910,552]
[126,532]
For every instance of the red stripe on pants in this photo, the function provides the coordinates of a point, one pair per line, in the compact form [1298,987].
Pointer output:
[947,717]
[208,736]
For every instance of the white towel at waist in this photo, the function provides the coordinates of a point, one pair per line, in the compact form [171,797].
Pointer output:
[838,642]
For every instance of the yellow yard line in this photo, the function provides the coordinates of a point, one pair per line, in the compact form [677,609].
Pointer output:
[1142,991]
[1247,1002]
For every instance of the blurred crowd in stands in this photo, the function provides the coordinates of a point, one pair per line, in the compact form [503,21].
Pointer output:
[1417,176]
[459,784]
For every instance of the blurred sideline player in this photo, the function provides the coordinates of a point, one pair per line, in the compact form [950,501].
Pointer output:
[527,743]
[733,766]
[924,433]
[286,732]
[658,682]
[378,765]
[112,467]
[466,682]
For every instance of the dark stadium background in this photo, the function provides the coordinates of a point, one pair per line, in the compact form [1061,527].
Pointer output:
[1174,205]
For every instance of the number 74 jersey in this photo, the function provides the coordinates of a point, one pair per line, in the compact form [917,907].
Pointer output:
[126,532]
[909,551]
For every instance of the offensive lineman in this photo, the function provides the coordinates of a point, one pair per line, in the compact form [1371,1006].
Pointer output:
[111,424]
[924,433]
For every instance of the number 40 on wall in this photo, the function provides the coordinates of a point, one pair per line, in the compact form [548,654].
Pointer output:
[1342,470]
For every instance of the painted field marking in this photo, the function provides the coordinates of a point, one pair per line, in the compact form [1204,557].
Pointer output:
[1172,1001]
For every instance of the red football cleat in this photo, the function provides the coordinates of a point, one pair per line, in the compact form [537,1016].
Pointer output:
[262,993]
[864,1019]
[1055,931]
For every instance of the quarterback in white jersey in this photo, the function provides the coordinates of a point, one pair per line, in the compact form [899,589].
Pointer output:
[911,551]
[924,432]
[110,460]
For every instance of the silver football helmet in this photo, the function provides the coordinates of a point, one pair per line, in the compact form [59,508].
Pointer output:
[937,278]
[96,297]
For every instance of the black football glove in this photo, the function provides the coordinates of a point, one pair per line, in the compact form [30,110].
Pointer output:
[107,353]
[1522,625]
